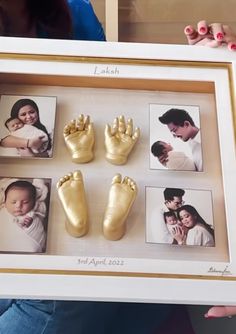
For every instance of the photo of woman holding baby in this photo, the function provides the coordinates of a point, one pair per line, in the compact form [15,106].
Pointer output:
[26,135]
[192,230]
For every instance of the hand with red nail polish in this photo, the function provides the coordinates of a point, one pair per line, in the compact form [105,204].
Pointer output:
[212,35]
[200,36]
[220,311]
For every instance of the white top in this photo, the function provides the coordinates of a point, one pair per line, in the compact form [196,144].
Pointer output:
[14,238]
[196,148]
[157,231]
[199,236]
[29,132]
[179,161]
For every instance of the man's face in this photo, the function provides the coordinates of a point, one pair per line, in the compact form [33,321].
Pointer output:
[175,203]
[183,132]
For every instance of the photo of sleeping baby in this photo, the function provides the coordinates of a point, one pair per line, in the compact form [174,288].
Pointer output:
[27,126]
[24,211]
[175,138]
[179,216]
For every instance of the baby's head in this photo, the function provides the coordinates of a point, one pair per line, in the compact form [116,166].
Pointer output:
[13,124]
[170,218]
[160,147]
[20,197]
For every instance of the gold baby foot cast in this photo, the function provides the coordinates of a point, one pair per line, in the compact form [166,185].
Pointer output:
[120,140]
[79,139]
[121,198]
[72,196]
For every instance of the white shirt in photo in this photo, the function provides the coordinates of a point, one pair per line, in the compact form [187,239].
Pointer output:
[196,149]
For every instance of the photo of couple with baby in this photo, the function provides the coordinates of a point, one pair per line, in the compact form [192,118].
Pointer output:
[175,138]
[24,210]
[27,126]
[179,217]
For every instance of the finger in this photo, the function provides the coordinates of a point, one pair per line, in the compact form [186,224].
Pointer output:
[80,122]
[86,122]
[115,126]
[136,134]
[220,311]
[121,124]
[229,35]
[232,46]
[174,230]
[90,129]
[66,130]
[129,127]
[108,132]
[72,126]
[202,28]
[190,32]
[230,38]
[217,31]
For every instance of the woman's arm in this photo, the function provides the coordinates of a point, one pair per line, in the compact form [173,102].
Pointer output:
[17,142]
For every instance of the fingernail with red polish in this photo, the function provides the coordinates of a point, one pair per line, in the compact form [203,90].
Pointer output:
[188,30]
[203,30]
[219,35]
[232,46]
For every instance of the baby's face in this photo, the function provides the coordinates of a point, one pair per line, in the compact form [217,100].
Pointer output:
[14,124]
[19,201]
[171,220]
[167,146]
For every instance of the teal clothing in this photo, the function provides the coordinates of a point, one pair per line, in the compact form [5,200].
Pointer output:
[85,23]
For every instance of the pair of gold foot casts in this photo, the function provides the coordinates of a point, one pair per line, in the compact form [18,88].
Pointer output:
[120,139]
[120,200]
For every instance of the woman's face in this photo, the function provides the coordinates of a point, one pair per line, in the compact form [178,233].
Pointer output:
[187,219]
[28,115]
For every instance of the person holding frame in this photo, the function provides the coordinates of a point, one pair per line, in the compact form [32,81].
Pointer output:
[75,19]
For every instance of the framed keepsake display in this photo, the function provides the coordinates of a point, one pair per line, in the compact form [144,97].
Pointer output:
[138,195]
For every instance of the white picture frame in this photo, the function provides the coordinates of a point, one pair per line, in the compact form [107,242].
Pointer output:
[100,66]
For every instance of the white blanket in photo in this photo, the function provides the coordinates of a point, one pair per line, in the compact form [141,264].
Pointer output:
[14,238]
[30,132]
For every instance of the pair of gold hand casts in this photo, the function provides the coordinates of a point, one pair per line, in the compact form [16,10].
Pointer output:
[120,139]
[120,200]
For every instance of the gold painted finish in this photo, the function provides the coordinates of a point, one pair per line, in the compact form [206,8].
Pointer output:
[79,139]
[120,140]
[72,196]
[121,198]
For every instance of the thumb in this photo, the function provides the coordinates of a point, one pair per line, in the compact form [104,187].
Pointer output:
[220,311]
[108,131]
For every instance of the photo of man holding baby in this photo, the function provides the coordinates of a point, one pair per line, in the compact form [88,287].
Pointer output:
[175,138]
